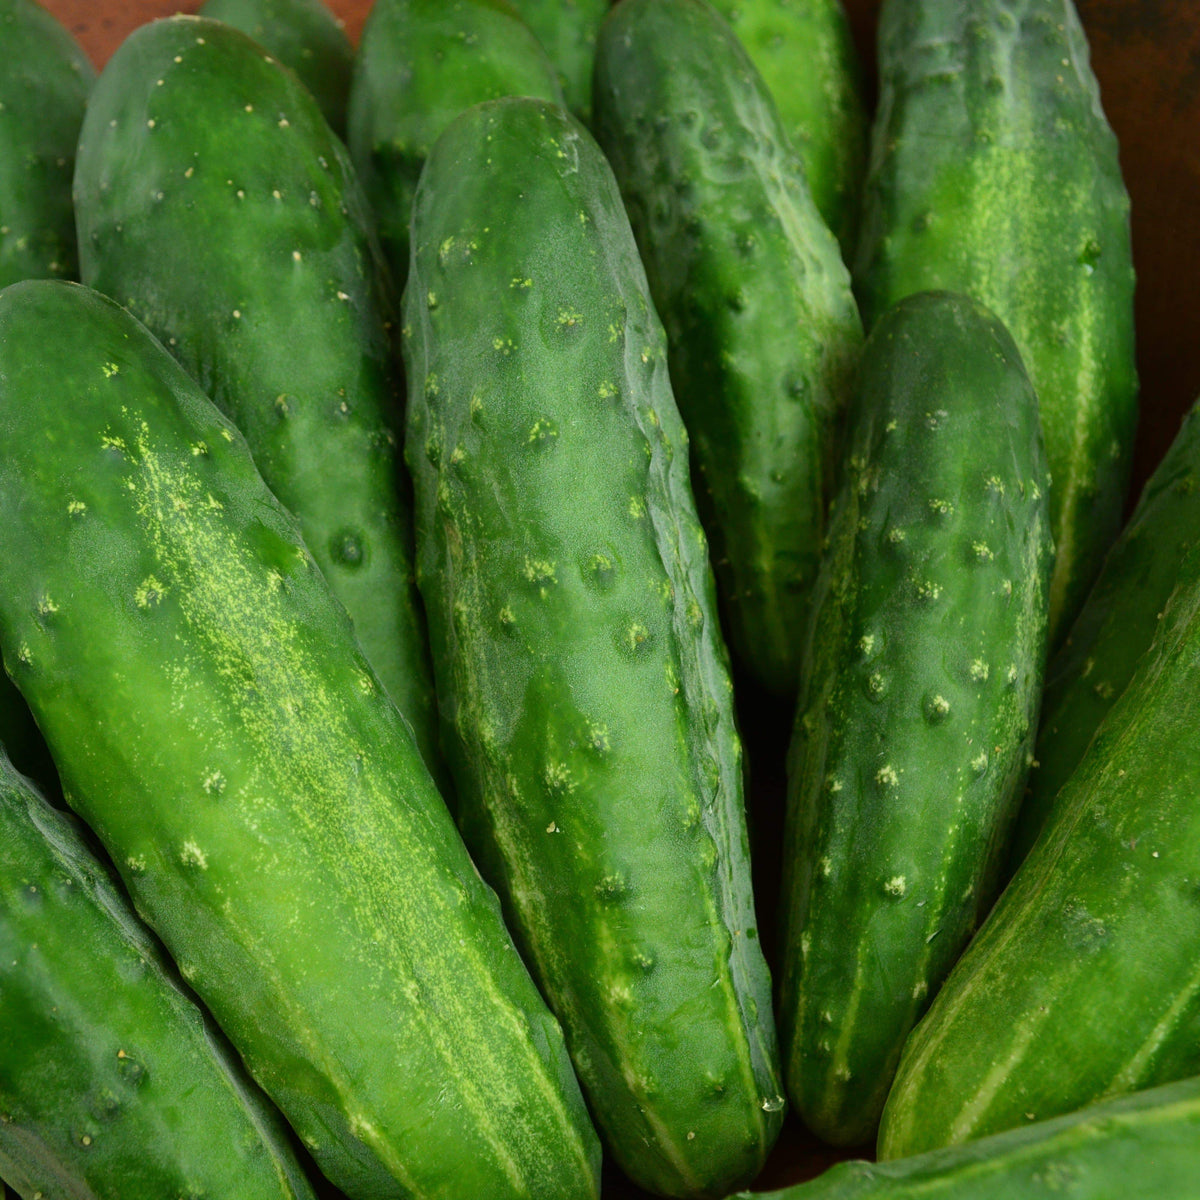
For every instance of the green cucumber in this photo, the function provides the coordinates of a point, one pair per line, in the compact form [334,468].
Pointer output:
[994,172]
[44,82]
[805,53]
[585,692]
[217,725]
[1140,1147]
[420,63]
[761,323]
[305,36]
[1115,626]
[113,1083]
[919,698]
[567,31]
[1083,982]
[216,205]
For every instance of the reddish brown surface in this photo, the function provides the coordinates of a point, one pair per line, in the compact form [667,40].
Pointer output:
[1147,56]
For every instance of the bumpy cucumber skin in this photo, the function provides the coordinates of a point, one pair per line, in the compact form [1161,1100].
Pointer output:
[805,53]
[567,31]
[1140,1147]
[44,82]
[420,63]
[219,729]
[1115,626]
[994,172]
[305,36]
[584,687]
[1083,981]
[761,322]
[113,1084]
[216,205]
[918,705]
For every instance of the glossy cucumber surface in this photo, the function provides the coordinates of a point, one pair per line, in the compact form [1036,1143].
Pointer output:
[219,728]
[994,172]
[217,206]
[113,1084]
[762,328]
[584,686]
[919,698]
[1083,981]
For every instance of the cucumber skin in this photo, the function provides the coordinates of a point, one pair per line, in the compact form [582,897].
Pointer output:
[399,104]
[1115,626]
[919,698]
[762,327]
[1012,192]
[805,53]
[296,351]
[305,36]
[1092,947]
[584,688]
[44,84]
[113,1084]
[567,31]
[219,729]
[1141,1147]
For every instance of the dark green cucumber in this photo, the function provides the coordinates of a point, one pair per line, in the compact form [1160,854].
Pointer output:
[305,36]
[44,84]
[420,63]
[1083,983]
[761,323]
[1116,625]
[567,30]
[584,688]
[918,701]
[994,172]
[805,53]
[215,204]
[219,728]
[113,1084]
[1140,1147]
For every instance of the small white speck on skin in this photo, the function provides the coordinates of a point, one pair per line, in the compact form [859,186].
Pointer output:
[189,172]
[296,255]
[149,124]
[283,122]
[179,58]
[249,107]
[277,194]
[342,296]
[237,314]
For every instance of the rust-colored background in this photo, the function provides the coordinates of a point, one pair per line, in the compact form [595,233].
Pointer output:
[1146,54]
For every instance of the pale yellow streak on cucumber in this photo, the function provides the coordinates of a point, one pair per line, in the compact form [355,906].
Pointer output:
[221,596]
[1131,1076]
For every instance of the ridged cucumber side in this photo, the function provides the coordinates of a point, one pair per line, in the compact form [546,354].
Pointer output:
[919,698]
[1083,982]
[217,206]
[567,31]
[762,328]
[1140,1147]
[1115,627]
[44,83]
[305,36]
[805,53]
[219,728]
[419,64]
[994,172]
[584,687]
[113,1084]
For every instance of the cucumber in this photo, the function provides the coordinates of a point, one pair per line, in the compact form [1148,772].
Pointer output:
[805,53]
[305,36]
[762,328]
[994,172]
[1083,982]
[218,727]
[1140,1147]
[584,689]
[567,31]
[113,1083]
[275,308]
[919,698]
[44,83]
[420,63]
[1115,627]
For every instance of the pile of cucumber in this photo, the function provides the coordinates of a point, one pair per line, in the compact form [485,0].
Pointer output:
[396,533]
